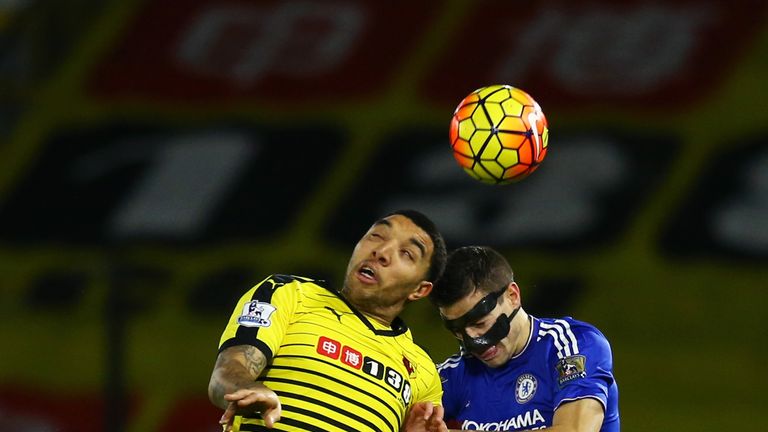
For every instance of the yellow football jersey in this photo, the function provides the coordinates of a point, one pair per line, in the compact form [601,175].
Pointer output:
[332,368]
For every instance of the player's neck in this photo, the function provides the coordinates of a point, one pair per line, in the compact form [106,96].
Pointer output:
[382,315]
[381,320]
[524,327]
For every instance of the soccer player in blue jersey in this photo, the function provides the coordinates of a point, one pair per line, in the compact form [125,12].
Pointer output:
[516,371]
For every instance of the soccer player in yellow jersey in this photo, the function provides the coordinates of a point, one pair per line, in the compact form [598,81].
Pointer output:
[299,356]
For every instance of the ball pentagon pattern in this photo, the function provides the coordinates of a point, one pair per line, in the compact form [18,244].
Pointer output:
[499,134]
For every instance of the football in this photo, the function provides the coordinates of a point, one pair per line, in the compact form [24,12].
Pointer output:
[499,134]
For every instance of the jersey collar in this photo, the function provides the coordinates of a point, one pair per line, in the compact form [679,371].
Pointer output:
[397,327]
[534,325]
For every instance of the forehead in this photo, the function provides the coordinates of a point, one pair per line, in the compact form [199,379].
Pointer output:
[405,227]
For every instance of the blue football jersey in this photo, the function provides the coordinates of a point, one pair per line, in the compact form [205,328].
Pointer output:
[564,360]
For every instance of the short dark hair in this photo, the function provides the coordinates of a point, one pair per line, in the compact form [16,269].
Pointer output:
[471,268]
[439,252]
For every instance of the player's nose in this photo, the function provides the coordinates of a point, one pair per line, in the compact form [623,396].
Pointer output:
[383,253]
[473,333]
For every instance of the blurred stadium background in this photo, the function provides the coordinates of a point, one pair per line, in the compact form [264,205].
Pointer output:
[157,158]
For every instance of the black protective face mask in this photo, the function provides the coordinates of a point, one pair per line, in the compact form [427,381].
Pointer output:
[498,331]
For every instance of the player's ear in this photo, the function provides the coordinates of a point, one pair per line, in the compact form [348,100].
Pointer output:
[423,290]
[513,291]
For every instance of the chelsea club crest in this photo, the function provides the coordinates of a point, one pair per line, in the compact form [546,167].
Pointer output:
[525,388]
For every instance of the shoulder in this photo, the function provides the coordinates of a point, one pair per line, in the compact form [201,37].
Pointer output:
[421,353]
[275,282]
[278,280]
[568,336]
[453,364]
[282,289]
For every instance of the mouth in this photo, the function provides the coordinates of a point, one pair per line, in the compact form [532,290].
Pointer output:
[366,273]
[490,353]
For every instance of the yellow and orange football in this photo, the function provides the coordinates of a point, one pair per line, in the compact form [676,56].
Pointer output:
[499,134]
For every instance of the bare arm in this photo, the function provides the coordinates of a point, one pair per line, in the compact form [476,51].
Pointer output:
[236,368]
[583,415]
[234,389]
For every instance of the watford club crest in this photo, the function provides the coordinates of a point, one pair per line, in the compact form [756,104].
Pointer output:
[408,366]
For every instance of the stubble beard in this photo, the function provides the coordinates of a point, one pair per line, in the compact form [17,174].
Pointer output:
[366,302]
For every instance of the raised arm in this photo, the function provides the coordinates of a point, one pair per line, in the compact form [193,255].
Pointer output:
[234,389]
[584,415]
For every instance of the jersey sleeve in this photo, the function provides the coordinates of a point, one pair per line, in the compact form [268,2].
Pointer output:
[588,371]
[450,376]
[262,315]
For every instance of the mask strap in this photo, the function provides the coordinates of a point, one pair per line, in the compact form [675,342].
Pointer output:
[514,312]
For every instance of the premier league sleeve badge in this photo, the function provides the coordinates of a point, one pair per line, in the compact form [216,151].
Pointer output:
[256,314]
[571,368]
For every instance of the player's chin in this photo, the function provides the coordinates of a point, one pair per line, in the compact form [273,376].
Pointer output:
[494,362]
[353,284]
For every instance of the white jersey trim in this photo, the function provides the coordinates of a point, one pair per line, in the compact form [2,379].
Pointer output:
[562,336]
[570,334]
[449,363]
[564,401]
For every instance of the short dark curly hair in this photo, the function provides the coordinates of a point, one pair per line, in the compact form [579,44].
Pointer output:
[468,269]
